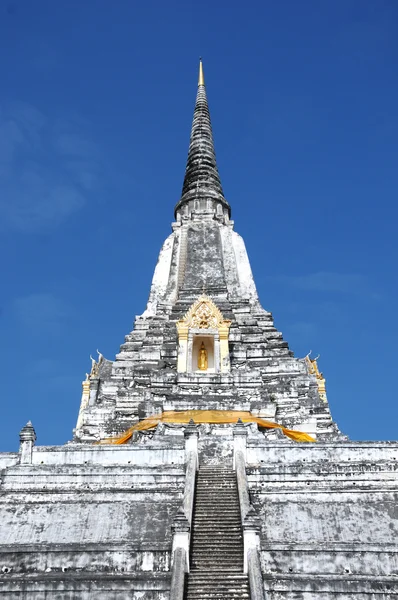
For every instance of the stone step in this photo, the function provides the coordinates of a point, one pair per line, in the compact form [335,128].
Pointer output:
[241,592]
[217,512]
[220,472]
[221,575]
[216,572]
[230,506]
[227,551]
[217,586]
[209,572]
[216,520]
[198,595]
[217,565]
[220,536]
[208,581]
[202,547]
[210,593]
[203,554]
[222,476]
[220,493]
[214,489]
[218,559]
[217,508]
[222,479]
[218,524]
[218,517]
[210,487]
[233,513]
[222,496]
[217,482]
[225,548]
[217,542]
[215,473]
[214,589]
[213,527]
[235,508]
[223,528]
[234,532]
[208,567]
[217,503]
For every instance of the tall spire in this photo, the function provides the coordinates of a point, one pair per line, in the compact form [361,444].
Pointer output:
[202,180]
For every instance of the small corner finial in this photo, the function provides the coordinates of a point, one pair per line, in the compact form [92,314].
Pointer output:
[201,80]
[27,433]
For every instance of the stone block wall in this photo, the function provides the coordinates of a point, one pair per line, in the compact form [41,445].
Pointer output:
[89,522]
[329,519]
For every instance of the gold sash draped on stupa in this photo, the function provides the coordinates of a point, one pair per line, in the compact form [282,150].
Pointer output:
[205,416]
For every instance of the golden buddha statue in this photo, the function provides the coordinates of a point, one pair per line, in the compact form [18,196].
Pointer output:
[202,358]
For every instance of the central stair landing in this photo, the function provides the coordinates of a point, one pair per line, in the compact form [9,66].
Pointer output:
[217,542]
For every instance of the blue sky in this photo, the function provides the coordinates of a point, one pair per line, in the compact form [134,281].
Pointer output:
[96,103]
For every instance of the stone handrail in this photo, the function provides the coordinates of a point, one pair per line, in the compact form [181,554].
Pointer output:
[190,479]
[178,574]
[244,500]
[181,527]
[251,531]
[255,577]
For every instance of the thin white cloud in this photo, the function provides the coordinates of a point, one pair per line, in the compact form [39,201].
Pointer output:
[75,145]
[47,169]
[304,329]
[43,313]
[325,281]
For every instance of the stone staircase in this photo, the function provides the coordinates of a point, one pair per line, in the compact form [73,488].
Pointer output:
[217,541]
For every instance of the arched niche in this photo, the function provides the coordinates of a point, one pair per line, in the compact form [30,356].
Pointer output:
[208,342]
[203,323]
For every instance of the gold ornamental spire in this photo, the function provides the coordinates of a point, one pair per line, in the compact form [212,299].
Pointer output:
[201,80]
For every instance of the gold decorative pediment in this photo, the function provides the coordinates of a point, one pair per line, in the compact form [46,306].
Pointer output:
[204,314]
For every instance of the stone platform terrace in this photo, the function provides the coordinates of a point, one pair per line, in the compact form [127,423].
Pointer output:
[95,522]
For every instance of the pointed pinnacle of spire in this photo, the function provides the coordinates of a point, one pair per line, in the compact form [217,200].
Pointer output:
[201,80]
[202,181]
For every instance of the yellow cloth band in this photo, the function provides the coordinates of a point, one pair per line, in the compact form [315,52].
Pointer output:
[205,416]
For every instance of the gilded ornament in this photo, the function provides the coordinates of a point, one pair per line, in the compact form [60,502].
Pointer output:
[313,369]
[202,358]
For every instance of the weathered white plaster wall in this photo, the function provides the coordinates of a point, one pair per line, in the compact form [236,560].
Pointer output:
[160,277]
[89,522]
[247,285]
[329,518]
